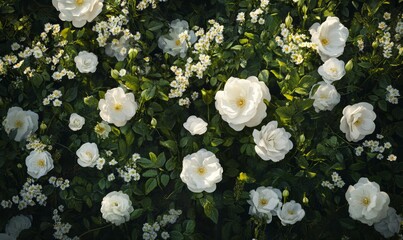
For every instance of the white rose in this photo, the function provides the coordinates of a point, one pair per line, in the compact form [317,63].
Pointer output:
[272,143]
[16,225]
[390,225]
[330,37]
[76,122]
[86,62]
[171,43]
[357,121]
[195,125]
[325,98]
[290,213]
[332,70]
[367,203]
[241,102]
[118,48]
[201,171]
[116,207]
[118,107]
[264,202]
[21,123]
[39,163]
[78,11]
[87,154]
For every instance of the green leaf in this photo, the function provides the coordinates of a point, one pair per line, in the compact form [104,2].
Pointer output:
[70,94]
[148,93]
[150,185]
[37,80]
[136,213]
[164,179]
[150,173]
[176,235]
[264,76]
[170,144]
[210,210]
[190,226]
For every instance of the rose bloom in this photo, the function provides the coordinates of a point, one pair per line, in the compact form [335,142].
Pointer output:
[21,123]
[264,202]
[325,97]
[118,107]
[116,207]
[358,121]
[78,11]
[367,203]
[102,130]
[87,154]
[241,102]
[76,122]
[330,37]
[201,171]
[290,213]
[39,163]
[5,236]
[390,225]
[272,143]
[16,225]
[86,62]
[195,125]
[332,70]
[171,42]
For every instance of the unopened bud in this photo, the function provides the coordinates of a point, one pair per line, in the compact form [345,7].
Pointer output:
[286,193]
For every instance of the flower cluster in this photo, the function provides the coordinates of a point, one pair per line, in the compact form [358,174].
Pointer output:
[392,95]
[384,38]
[59,182]
[53,98]
[293,43]
[376,148]
[30,195]
[337,182]
[265,202]
[143,4]
[61,229]
[150,231]
[130,172]
[195,68]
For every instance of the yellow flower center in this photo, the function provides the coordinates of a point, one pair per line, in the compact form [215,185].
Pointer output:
[40,163]
[365,201]
[291,212]
[115,204]
[79,2]
[241,102]
[19,123]
[178,42]
[263,201]
[89,154]
[358,122]
[333,70]
[117,106]
[324,41]
[201,170]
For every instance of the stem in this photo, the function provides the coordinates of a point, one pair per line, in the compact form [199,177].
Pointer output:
[95,229]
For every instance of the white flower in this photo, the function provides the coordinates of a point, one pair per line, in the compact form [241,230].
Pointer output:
[78,11]
[118,107]
[17,224]
[241,102]
[87,154]
[195,125]
[171,43]
[265,202]
[201,171]
[102,129]
[330,37]
[367,203]
[272,143]
[86,62]
[390,225]
[76,122]
[116,207]
[20,123]
[39,163]
[290,213]
[332,70]
[357,121]
[325,97]
[118,48]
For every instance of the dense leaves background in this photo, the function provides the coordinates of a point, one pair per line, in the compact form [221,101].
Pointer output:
[157,134]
